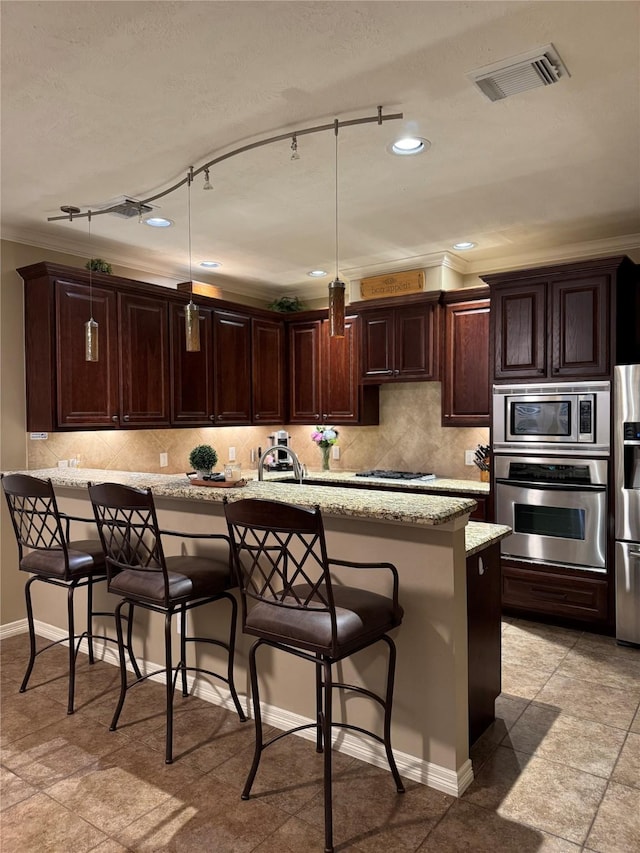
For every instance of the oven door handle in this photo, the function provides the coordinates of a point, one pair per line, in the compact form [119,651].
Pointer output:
[552,487]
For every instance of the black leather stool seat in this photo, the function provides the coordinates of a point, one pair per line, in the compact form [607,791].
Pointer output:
[360,616]
[188,578]
[84,557]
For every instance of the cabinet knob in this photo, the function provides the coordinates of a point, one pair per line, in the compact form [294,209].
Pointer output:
[257,417]
[212,417]
[317,417]
[219,417]
[126,418]
[114,418]
[396,372]
[480,566]
[324,416]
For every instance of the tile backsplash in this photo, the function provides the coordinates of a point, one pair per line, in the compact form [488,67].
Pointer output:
[409,437]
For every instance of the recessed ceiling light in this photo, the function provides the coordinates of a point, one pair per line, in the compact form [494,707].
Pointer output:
[210,265]
[317,273]
[463,244]
[409,145]
[158,222]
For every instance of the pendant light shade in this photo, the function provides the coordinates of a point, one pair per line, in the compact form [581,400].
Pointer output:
[191,311]
[91,340]
[336,308]
[91,326]
[192,326]
[337,287]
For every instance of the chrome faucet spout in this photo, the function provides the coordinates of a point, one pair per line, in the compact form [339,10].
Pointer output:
[298,471]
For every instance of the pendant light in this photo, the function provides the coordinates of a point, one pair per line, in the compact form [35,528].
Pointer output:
[336,287]
[90,327]
[191,311]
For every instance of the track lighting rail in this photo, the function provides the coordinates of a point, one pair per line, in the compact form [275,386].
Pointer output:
[71,212]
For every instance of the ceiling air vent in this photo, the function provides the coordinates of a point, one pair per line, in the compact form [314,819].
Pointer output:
[129,208]
[540,67]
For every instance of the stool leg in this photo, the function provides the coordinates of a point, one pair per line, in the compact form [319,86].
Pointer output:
[326,735]
[183,648]
[231,656]
[255,696]
[32,633]
[168,665]
[90,619]
[387,714]
[123,665]
[132,658]
[72,646]
[319,704]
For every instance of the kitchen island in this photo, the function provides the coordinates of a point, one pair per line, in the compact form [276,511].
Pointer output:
[426,536]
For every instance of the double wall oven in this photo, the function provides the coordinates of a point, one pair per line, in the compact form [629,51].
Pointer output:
[551,445]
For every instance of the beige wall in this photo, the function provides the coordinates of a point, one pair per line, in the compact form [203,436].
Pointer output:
[409,435]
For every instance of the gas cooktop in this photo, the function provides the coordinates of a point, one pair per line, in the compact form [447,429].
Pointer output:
[396,475]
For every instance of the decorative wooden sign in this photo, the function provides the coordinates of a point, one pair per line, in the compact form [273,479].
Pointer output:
[392,284]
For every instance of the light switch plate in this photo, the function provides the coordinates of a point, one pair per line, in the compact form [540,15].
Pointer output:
[164,460]
[232,454]
[335,451]
[469,457]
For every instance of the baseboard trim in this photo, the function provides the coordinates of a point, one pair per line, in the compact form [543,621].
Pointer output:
[451,782]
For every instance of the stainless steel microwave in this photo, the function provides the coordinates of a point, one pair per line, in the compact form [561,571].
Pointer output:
[563,417]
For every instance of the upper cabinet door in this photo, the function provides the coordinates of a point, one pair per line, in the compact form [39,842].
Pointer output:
[340,374]
[232,362]
[417,342]
[87,391]
[465,371]
[304,371]
[580,321]
[268,371]
[191,372]
[144,360]
[378,345]
[520,331]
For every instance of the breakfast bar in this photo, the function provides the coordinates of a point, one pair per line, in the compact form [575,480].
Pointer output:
[426,536]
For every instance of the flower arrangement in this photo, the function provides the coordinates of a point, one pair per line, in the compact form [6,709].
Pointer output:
[324,437]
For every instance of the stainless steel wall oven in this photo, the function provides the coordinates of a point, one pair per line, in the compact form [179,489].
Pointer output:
[557,508]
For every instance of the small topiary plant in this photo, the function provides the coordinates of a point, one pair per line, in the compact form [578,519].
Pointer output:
[98,265]
[203,458]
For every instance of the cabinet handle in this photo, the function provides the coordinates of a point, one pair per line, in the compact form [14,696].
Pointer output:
[325,416]
[480,566]
[257,417]
[317,417]
[219,417]
[396,373]
[114,418]
[212,417]
[126,418]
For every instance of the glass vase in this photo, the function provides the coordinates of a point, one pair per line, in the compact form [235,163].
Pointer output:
[325,457]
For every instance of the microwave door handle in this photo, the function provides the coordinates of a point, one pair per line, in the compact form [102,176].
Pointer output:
[552,487]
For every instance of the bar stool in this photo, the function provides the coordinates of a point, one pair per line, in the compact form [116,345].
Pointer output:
[290,602]
[51,558]
[139,572]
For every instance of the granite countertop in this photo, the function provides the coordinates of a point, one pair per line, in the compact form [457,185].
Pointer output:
[439,484]
[399,507]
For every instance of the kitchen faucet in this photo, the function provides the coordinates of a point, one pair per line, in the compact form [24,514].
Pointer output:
[298,470]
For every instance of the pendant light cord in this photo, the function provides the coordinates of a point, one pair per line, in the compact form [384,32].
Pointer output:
[90,269]
[336,176]
[189,180]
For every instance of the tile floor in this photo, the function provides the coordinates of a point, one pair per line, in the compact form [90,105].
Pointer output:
[559,771]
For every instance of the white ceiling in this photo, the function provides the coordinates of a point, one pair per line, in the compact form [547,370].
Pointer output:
[108,99]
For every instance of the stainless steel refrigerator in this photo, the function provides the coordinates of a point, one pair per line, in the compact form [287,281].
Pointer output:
[627,504]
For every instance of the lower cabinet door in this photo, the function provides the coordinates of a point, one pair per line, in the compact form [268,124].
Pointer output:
[567,594]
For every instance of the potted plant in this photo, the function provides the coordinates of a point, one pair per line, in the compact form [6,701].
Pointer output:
[203,458]
[98,265]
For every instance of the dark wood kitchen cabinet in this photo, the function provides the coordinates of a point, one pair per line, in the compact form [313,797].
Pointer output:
[268,368]
[87,391]
[466,381]
[232,366]
[400,343]
[127,386]
[323,376]
[191,372]
[556,323]
[144,360]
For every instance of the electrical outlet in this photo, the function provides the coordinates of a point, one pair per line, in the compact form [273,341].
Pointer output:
[232,454]
[164,460]
[335,451]
[469,456]
[63,463]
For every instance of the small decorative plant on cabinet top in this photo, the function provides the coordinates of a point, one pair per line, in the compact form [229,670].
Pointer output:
[325,437]
[203,458]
